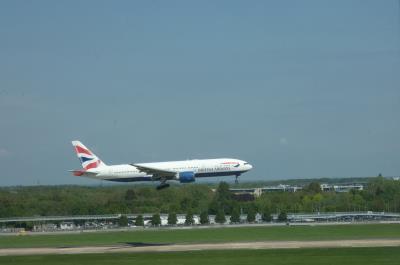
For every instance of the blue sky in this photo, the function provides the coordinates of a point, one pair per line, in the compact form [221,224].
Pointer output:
[300,89]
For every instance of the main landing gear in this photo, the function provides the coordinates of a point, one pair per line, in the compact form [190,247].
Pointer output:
[163,184]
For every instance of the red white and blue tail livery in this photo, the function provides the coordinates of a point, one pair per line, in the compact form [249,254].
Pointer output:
[182,171]
[87,158]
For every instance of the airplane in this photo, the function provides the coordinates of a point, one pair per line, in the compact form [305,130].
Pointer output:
[183,171]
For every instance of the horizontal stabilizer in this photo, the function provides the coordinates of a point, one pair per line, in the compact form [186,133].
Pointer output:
[79,172]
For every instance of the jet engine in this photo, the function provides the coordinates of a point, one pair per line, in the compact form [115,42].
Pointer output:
[186,177]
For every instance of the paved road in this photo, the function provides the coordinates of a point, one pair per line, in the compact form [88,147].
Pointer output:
[208,246]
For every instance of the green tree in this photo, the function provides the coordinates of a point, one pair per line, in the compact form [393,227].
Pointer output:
[172,219]
[251,215]
[139,220]
[266,215]
[186,203]
[204,218]
[313,187]
[223,192]
[220,217]
[123,221]
[380,194]
[358,202]
[282,217]
[189,219]
[222,200]
[306,203]
[235,216]
[156,220]
[130,195]
[317,199]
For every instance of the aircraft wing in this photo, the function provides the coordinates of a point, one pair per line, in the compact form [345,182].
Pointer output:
[156,172]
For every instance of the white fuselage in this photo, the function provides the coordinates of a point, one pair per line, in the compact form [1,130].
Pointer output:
[200,168]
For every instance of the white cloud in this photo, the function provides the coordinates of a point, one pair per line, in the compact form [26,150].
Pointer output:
[283,141]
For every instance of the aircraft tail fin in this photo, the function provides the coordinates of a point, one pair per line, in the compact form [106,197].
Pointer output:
[86,157]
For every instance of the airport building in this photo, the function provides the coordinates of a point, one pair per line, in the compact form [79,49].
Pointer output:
[341,188]
[281,188]
[256,192]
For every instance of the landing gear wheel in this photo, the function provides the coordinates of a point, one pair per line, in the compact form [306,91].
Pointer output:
[162,186]
[237,180]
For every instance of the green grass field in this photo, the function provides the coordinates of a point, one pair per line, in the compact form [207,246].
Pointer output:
[342,256]
[207,235]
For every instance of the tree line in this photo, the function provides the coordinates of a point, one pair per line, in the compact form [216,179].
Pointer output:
[380,194]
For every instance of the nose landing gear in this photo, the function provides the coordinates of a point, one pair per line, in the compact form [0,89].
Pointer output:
[237,179]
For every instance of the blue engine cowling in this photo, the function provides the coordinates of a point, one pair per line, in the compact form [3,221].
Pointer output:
[186,177]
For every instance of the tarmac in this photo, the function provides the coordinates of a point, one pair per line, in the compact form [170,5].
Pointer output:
[142,247]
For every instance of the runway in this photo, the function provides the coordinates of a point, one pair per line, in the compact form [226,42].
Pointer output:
[137,247]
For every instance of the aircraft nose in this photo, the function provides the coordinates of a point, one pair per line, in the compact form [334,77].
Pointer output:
[248,166]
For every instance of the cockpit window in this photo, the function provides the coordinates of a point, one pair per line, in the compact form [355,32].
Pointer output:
[245,163]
